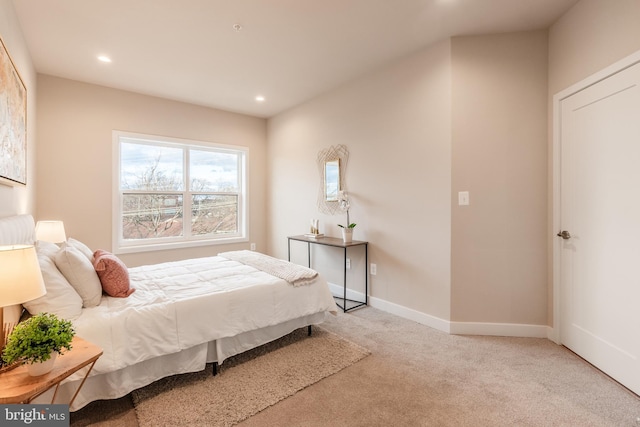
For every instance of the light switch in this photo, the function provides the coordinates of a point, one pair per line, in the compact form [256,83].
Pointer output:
[463,198]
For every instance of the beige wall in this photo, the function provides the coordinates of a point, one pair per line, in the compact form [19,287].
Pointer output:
[75,124]
[499,113]
[19,199]
[466,114]
[396,124]
[589,37]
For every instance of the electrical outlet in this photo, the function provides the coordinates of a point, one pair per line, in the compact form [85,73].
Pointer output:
[374,269]
[463,198]
[253,246]
[348,263]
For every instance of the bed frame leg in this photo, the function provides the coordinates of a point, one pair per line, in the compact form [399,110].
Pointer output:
[309,330]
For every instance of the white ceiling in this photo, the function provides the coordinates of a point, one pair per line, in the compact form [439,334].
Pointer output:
[289,51]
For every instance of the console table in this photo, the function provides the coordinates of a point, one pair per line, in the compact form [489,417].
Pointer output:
[347,304]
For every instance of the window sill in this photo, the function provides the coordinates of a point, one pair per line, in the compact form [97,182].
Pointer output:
[177,245]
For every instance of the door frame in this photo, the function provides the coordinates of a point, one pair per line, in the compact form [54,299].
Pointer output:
[633,59]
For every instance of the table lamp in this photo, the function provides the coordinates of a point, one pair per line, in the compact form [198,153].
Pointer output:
[20,279]
[50,231]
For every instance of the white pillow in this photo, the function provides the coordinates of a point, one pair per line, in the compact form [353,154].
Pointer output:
[46,248]
[79,272]
[61,299]
[81,247]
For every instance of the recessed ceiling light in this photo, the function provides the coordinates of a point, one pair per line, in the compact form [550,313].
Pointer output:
[237,27]
[104,58]
[260,98]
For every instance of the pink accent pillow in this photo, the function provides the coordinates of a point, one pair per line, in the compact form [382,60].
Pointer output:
[113,274]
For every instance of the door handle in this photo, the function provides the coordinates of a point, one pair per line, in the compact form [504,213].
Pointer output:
[564,234]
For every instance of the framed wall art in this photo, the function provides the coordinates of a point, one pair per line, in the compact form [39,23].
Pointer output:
[13,122]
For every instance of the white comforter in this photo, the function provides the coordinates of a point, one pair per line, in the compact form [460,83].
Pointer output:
[178,305]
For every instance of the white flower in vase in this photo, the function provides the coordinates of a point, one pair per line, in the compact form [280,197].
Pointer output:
[344,204]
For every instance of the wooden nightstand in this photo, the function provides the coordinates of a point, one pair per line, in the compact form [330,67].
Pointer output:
[17,386]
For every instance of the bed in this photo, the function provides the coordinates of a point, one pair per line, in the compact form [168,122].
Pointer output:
[181,316]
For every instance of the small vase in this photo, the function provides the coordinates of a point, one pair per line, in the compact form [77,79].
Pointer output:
[347,234]
[41,368]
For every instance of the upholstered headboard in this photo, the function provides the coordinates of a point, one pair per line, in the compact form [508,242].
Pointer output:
[17,230]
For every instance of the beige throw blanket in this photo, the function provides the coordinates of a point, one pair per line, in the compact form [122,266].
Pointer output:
[295,274]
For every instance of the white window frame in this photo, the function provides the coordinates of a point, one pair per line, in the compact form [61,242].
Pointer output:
[120,245]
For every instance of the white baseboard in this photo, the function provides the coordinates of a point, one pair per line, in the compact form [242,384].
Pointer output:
[554,335]
[408,313]
[500,329]
[463,328]
[338,290]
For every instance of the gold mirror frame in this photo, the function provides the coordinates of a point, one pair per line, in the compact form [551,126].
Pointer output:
[332,165]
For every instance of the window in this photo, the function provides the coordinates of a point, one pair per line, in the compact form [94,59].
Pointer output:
[176,193]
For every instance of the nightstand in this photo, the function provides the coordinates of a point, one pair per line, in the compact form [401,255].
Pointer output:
[19,387]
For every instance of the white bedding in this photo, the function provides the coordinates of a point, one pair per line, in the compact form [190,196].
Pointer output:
[178,305]
[182,315]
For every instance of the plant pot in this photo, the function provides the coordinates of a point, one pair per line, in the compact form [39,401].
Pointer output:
[41,368]
[347,234]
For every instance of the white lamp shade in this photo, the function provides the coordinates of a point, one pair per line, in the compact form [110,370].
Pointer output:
[20,276]
[50,231]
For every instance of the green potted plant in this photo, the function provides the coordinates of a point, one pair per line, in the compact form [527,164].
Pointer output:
[38,341]
[345,204]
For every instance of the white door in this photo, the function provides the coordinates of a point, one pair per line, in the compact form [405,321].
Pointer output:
[600,208]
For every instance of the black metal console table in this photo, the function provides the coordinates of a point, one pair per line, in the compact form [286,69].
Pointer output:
[338,243]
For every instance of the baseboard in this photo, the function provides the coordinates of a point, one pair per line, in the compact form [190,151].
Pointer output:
[389,307]
[500,329]
[338,290]
[408,313]
[463,328]
[553,335]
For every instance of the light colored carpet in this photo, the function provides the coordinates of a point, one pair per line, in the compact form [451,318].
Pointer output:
[418,376]
[246,384]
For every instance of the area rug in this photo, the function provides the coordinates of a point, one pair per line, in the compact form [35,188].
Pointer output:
[246,384]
